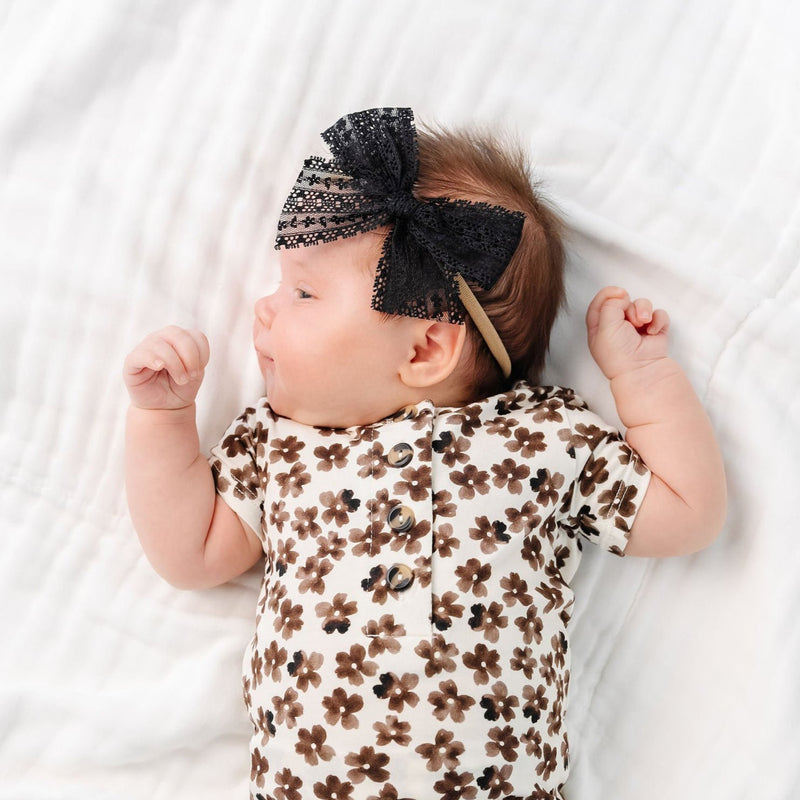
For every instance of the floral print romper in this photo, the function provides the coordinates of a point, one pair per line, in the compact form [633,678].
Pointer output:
[411,637]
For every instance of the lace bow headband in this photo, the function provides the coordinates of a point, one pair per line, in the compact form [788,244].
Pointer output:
[434,246]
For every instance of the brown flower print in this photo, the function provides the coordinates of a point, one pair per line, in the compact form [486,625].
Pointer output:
[416,482]
[516,590]
[530,625]
[582,436]
[264,722]
[443,505]
[447,702]
[311,745]
[619,499]
[523,660]
[473,576]
[468,418]
[287,450]
[470,480]
[444,542]
[373,463]
[393,730]
[379,505]
[312,575]
[397,690]
[502,742]
[333,789]
[274,658]
[532,740]
[293,481]
[335,615]
[483,662]
[494,780]
[438,655]
[442,750]
[367,764]
[238,443]
[526,443]
[285,554]
[452,450]
[342,708]
[259,767]
[535,702]
[287,785]
[547,486]
[499,703]
[246,482]
[554,719]
[548,411]
[489,534]
[289,619]
[488,620]
[383,633]
[278,515]
[304,524]
[445,609]
[549,761]
[354,665]
[453,786]
[502,426]
[370,541]
[332,545]
[523,519]
[338,507]
[330,457]
[303,668]
[510,474]
[287,708]
[594,473]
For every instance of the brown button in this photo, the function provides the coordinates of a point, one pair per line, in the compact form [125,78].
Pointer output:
[400,455]
[401,519]
[399,577]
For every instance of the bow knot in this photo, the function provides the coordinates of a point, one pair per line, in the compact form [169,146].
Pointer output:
[368,184]
[402,205]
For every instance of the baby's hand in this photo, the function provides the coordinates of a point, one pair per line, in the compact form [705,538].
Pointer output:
[624,334]
[165,370]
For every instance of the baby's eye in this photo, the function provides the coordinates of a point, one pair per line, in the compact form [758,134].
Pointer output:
[302,294]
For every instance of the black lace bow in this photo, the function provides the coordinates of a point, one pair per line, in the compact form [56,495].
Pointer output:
[369,183]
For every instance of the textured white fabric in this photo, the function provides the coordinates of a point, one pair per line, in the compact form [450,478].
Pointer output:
[145,150]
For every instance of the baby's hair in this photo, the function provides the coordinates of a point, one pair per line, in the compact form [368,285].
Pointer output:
[524,303]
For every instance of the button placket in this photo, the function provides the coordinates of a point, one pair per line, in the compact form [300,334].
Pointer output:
[409,600]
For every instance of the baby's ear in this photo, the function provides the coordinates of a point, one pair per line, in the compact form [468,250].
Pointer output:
[436,352]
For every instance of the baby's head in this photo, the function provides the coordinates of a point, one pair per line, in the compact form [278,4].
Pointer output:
[462,290]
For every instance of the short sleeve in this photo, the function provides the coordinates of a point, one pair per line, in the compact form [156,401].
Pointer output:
[610,481]
[235,465]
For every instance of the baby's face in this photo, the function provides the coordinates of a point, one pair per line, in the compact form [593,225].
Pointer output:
[327,357]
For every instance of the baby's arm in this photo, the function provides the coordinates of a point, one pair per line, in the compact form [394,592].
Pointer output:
[192,537]
[684,507]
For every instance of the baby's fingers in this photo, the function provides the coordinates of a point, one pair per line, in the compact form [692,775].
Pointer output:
[180,353]
[639,313]
[660,322]
[608,306]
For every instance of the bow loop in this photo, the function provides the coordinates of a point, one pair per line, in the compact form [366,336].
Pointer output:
[369,183]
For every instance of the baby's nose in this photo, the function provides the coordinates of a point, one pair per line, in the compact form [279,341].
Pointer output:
[264,309]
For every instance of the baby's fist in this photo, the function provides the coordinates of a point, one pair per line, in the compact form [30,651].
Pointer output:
[624,334]
[165,370]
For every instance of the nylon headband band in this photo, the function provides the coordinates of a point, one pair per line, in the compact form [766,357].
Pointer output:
[484,326]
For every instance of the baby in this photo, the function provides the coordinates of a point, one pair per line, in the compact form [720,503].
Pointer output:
[421,508]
